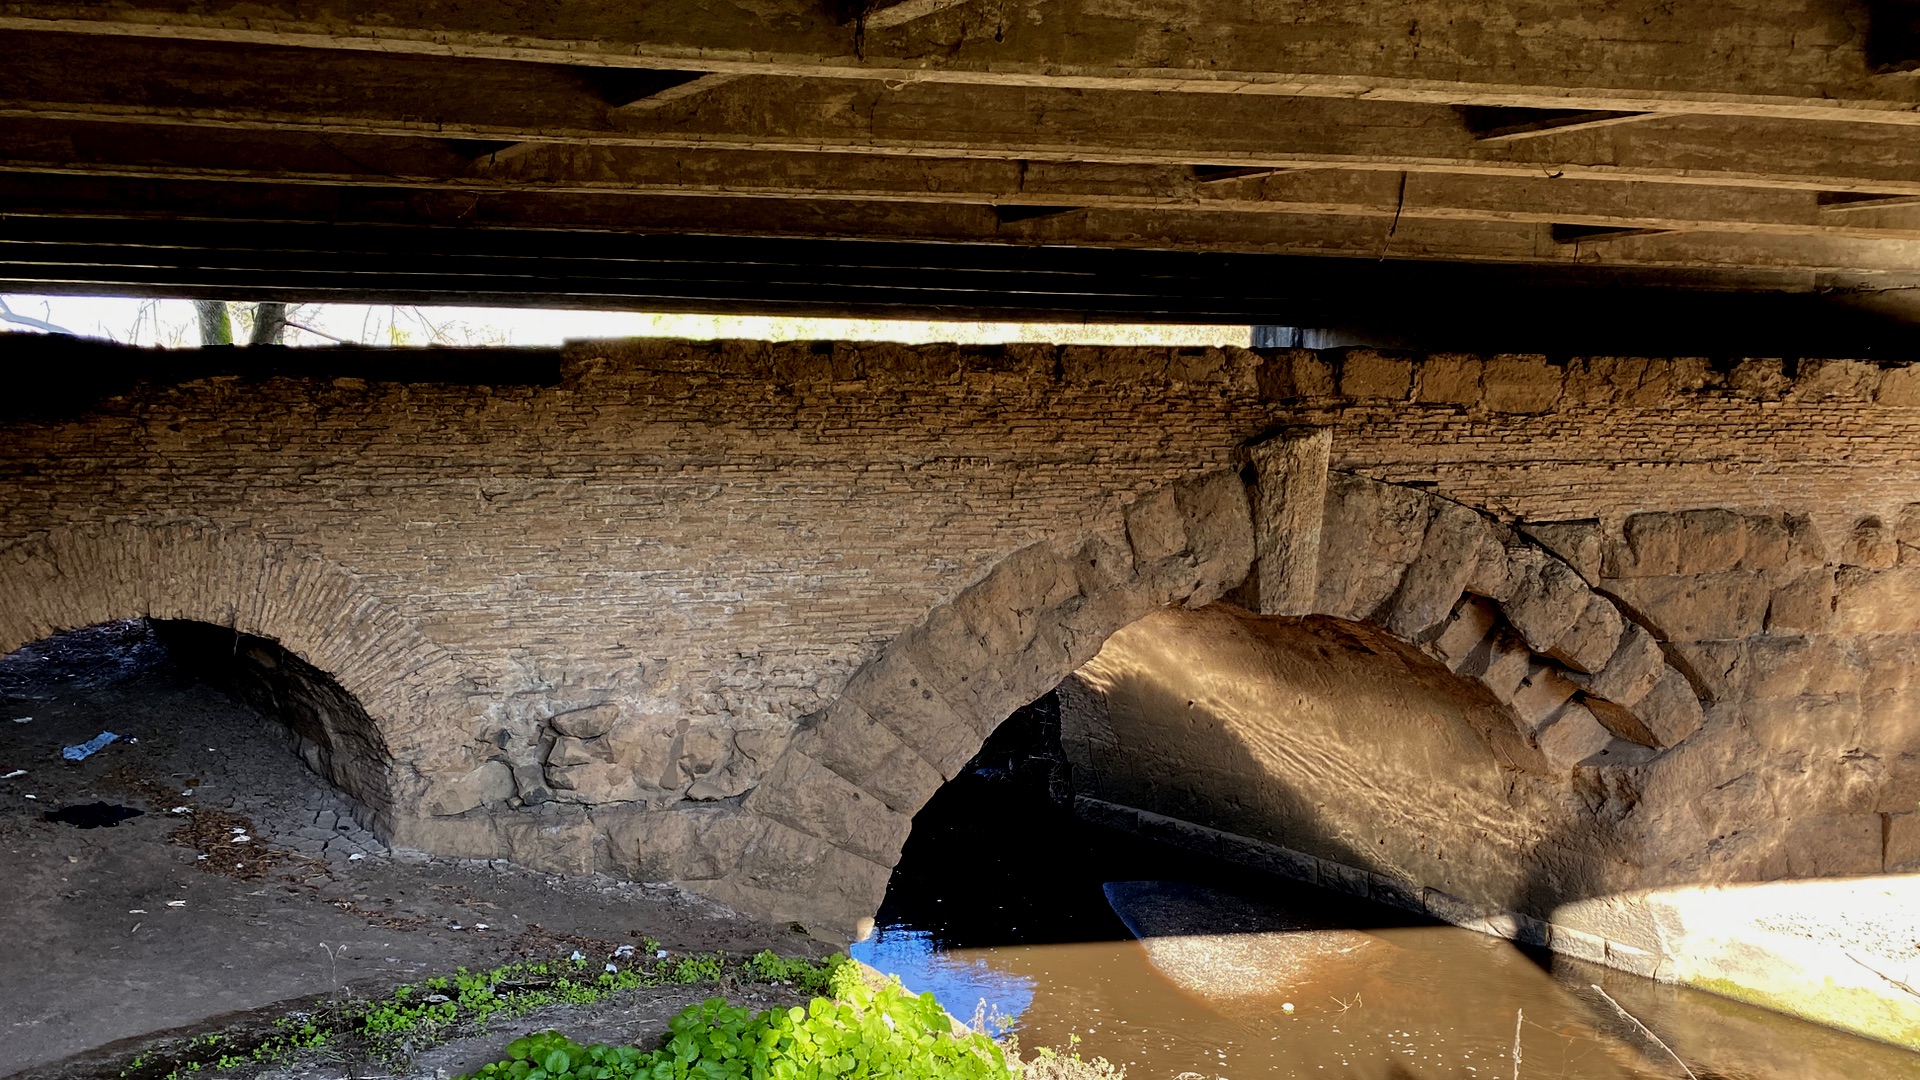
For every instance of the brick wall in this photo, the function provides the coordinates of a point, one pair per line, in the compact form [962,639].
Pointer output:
[587,610]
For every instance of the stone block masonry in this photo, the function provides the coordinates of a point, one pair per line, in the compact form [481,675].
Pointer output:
[727,613]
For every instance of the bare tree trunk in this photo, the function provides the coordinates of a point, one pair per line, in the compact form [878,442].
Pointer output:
[269,324]
[215,327]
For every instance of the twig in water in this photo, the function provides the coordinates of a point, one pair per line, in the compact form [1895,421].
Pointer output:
[1896,983]
[1635,1021]
[1519,1018]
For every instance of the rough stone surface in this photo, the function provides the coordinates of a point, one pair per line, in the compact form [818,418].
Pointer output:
[624,601]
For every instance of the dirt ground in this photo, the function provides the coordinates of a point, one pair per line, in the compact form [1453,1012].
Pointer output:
[246,882]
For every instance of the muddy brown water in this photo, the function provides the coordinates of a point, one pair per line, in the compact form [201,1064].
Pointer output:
[1005,906]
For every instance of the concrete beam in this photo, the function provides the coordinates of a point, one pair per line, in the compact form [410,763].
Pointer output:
[1770,58]
[229,87]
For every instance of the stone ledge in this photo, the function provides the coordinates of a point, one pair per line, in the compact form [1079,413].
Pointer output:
[1801,948]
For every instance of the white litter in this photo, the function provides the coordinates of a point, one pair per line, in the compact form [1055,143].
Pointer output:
[481,926]
[240,839]
[176,903]
[181,810]
[14,773]
[624,950]
[34,797]
[23,719]
[189,791]
[661,955]
[577,955]
[355,857]
[612,968]
[137,911]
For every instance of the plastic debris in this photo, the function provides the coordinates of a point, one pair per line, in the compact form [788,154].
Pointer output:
[14,773]
[137,911]
[577,955]
[611,968]
[181,810]
[661,955]
[36,798]
[481,926]
[624,950]
[355,857]
[23,719]
[85,750]
[176,903]
[240,838]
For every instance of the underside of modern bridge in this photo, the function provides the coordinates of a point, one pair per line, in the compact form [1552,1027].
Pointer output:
[1576,600]
[1651,175]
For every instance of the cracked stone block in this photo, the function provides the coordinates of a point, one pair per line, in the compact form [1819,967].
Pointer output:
[1588,644]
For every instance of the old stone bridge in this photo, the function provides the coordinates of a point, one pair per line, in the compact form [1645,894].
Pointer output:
[1501,638]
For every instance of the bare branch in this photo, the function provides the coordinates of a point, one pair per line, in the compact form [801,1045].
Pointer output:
[7,315]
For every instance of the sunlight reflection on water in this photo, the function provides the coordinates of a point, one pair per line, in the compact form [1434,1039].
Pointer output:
[963,985]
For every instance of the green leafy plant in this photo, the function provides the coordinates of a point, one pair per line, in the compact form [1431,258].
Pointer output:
[415,1016]
[862,1032]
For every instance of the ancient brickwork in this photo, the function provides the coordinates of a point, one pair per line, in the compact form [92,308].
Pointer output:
[727,613]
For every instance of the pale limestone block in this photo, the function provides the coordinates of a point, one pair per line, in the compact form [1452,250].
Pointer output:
[896,691]
[1907,532]
[1718,668]
[1634,667]
[1803,604]
[1366,374]
[491,782]
[684,844]
[1588,644]
[1580,544]
[1472,621]
[1660,544]
[1903,839]
[1539,697]
[1371,532]
[1760,379]
[1877,601]
[1520,384]
[1448,379]
[567,753]
[1508,664]
[1700,607]
[1154,528]
[1288,505]
[845,739]
[1547,597]
[1438,575]
[1872,543]
[1899,387]
[1219,532]
[1671,710]
[1834,845]
[812,798]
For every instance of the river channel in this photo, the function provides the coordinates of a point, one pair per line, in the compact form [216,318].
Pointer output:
[1004,906]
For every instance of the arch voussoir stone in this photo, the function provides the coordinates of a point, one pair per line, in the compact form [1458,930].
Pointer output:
[1586,684]
[912,717]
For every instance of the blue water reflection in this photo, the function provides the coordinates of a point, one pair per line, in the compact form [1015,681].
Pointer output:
[966,988]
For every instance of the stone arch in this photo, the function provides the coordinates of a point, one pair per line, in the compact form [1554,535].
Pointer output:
[1284,536]
[232,578]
